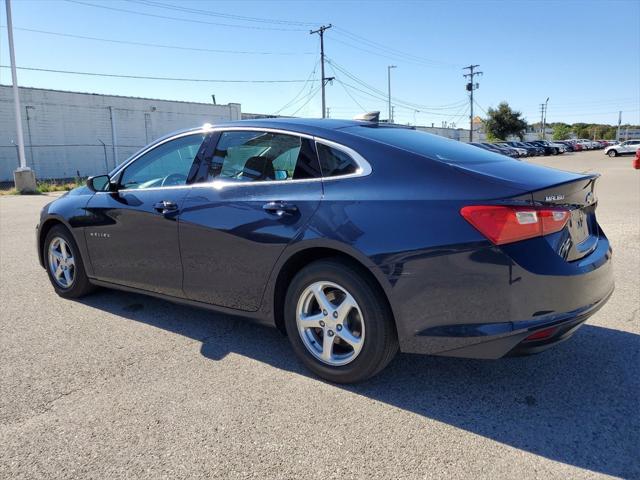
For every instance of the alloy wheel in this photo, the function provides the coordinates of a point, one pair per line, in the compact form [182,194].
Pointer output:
[330,323]
[62,264]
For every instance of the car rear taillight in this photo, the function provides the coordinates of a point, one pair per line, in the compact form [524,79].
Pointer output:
[508,224]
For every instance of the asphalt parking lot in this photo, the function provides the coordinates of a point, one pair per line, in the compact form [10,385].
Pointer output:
[124,386]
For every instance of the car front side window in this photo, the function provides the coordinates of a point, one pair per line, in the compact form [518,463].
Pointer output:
[250,156]
[166,165]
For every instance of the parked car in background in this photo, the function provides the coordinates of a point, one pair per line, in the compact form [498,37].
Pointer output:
[550,148]
[531,150]
[625,148]
[586,144]
[593,145]
[509,152]
[305,225]
[540,150]
[522,152]
[567,145]
[487,146]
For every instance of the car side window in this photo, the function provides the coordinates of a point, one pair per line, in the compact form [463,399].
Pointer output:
[250,156]
[164,166]
[334,162]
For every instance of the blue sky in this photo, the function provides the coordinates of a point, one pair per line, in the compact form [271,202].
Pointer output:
[584,55]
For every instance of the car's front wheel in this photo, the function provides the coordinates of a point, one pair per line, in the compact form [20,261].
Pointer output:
[338,323]
[64,264]
[612,153]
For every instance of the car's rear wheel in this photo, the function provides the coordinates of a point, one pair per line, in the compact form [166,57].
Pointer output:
[612,153]
[64,264]
[338,323]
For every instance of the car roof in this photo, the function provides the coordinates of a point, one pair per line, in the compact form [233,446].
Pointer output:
[309,126]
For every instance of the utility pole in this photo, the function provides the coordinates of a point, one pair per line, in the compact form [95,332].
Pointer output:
[619,123]
[389,67]
[544,120]
[470,88]
[320,31]
[328,112]
[23,176]
[541,119]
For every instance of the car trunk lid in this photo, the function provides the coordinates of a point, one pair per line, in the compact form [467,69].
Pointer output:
[549,187]
[580,237]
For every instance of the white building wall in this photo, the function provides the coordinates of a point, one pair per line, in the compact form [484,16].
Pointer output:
[63,130]
[460,134]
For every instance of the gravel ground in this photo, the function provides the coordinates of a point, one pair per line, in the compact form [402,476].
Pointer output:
[124,386]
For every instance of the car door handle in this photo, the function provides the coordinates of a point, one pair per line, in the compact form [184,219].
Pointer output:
[165,206]
[280,208]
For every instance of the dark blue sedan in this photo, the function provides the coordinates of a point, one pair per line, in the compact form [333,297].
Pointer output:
[354,238]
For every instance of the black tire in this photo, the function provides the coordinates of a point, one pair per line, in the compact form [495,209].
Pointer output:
[380,343]
[80,285]
[612,153]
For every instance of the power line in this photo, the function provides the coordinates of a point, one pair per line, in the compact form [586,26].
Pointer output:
[392,51]
[221,15]
[295,99]
[459,114]
[383,99]
[307,102]
[379,92]
[189,20]
[380,54]
[157,45]
[480,107]
[347,92]
[146,77]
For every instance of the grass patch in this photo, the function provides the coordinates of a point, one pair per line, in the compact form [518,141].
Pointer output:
[46,186]
[56,186]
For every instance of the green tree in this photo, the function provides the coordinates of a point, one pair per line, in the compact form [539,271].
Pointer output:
[582,130]
[561,131]
[503,122]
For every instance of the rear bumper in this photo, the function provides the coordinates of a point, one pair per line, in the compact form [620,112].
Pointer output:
[510,339]
[479,303]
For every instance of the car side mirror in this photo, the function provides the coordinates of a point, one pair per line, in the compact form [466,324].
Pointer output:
[100,183]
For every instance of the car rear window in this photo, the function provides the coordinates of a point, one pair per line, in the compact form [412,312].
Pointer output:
[431,146]
[334,162]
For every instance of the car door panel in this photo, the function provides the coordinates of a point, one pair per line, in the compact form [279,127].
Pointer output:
[132,233]
[230,243]
[131,242]
[233,230]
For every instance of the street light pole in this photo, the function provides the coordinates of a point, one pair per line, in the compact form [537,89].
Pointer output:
[389,85]
[16,96]
[23,176]
[544,120]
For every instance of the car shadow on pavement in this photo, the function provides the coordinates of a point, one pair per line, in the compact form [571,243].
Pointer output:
[576,403]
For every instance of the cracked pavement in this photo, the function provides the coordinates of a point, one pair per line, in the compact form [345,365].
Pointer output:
[119,385]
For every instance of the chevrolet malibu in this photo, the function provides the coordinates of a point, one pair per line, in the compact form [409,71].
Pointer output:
[354,238]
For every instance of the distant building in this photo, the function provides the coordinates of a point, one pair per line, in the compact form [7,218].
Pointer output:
[627,133]
[70,133]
